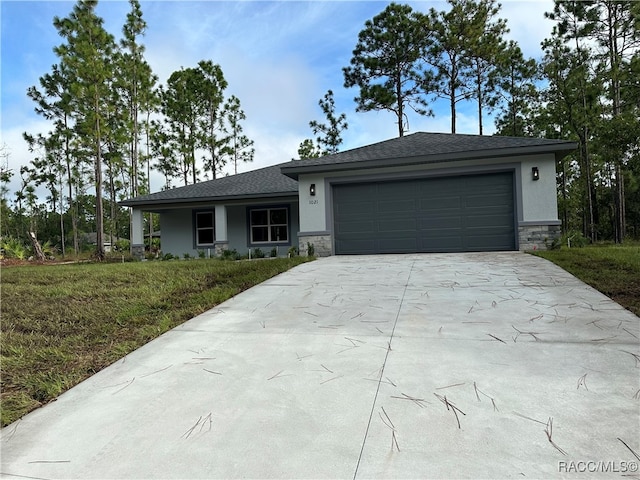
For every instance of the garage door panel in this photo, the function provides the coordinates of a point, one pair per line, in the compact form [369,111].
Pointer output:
[354,227]
[442,244]
[441,222]
[348,247]
[397,225]
[398,245]
[437,204]
[357,208]
[488,243]
[488,221]
[491,200]
[395,206]
[448,214]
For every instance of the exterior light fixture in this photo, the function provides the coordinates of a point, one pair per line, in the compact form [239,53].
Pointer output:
[535,173]
[312,189]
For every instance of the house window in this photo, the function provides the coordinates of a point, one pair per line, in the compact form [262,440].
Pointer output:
[269,225]
[205,228]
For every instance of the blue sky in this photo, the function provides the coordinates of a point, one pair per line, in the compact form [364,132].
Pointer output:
[279,58]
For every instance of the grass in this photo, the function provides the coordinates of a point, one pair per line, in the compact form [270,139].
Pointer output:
[63,323]
[612,269]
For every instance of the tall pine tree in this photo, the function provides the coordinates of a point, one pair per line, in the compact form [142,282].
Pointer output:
[86,55]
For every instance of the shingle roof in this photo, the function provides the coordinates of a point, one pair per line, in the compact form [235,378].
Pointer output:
[280,180]
[264,182]
[424,147]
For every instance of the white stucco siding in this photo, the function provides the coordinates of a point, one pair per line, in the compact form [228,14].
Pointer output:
[539,197]
[313,216]
[137,236]
[221,223]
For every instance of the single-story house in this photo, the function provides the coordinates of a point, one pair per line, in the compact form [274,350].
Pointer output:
[424,192]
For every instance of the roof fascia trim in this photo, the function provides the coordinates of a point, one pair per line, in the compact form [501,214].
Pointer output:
[294,171]
[225,198]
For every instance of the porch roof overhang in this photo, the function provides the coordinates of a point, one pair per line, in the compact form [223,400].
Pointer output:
[162,204]
[263,183]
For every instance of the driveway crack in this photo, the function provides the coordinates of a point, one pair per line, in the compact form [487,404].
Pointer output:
[384,364]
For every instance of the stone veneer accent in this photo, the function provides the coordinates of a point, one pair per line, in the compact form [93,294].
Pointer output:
[220,247]
[536,237]
[321,244]
[137,251]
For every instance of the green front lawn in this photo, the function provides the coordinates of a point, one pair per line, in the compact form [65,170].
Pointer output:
[612,269]
[63,323]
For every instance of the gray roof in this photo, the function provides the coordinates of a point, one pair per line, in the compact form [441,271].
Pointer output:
[417,148]
[427,148]
[264,182]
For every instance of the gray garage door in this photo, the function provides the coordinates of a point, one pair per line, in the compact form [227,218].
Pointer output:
[444,214]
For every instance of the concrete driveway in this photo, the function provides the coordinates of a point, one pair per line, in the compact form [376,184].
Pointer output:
[400,366]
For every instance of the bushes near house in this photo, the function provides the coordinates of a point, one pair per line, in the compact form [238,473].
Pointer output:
[230,255]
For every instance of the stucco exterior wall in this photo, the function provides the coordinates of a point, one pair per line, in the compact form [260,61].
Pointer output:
[313,216]
[539,197]
[178,230]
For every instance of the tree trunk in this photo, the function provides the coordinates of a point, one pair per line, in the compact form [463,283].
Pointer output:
[37,249]
[586,165]
[479,107]
[399,99]
[620,206]
[62,235]
[98,170]
[452,102]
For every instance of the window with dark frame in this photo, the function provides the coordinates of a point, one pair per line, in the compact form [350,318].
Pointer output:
[205,228]
[269,225]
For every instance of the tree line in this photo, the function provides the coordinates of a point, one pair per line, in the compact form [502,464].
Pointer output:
[112,123]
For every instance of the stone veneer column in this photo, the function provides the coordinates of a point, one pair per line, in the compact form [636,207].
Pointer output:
[321,243]
[534,236]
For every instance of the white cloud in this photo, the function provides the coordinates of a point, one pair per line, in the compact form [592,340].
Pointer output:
[18,152]
[527,24]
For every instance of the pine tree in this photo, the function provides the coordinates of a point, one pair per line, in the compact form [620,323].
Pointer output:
[483,52]
[54,103]
[386,63]
[455,34]
[330,134]
[87,56]
[239,146]
[515,86]
[182,114]
[137,83]
[209,85]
